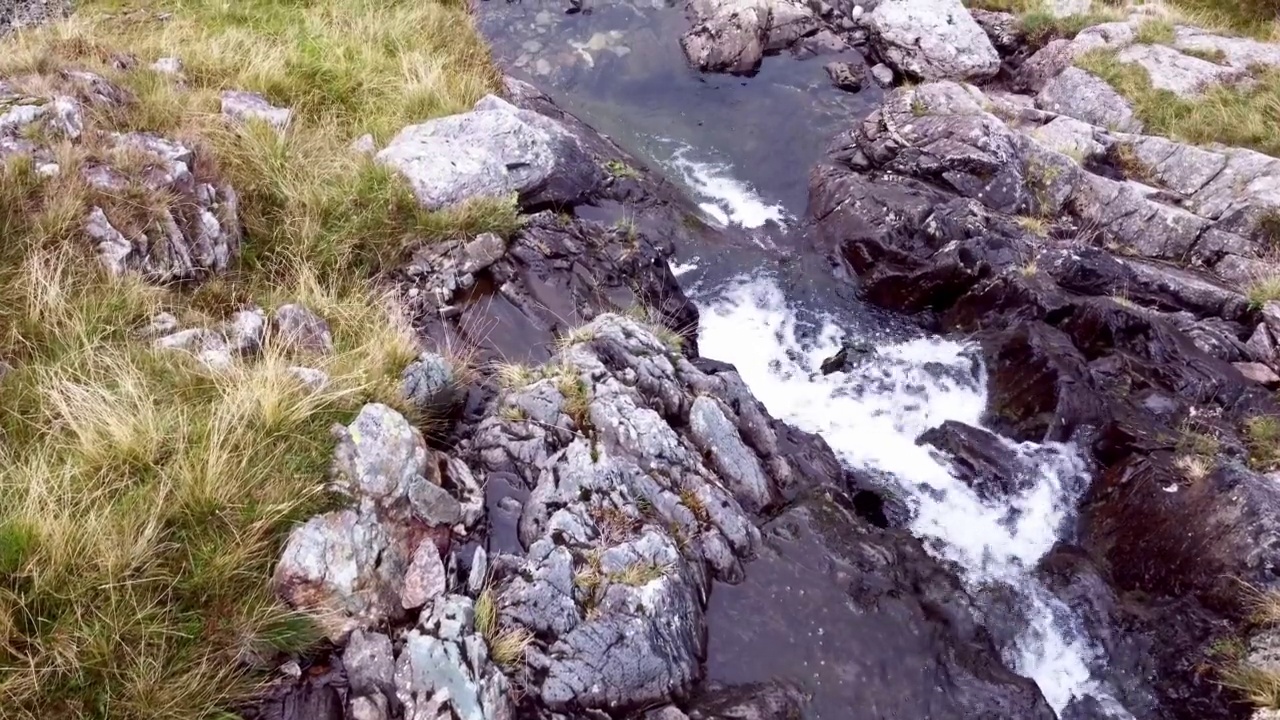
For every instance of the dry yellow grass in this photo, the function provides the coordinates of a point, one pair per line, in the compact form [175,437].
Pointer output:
[143,496]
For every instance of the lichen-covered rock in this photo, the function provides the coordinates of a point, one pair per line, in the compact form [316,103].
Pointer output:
[429,384]
[246,106]
[297,328]
[1183,75]
[1085,96]
[207,345]
[494,151]
[932,40]
[444,669]
[246,331]
[364,566]
[733,35]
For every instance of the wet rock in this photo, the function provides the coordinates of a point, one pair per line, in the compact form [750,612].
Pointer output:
[246,106]
[495,150]
[1083,96]
[762,701]
[733,35]
[931,40]
[982,460]
[300,330]
[848,357]
[844,76]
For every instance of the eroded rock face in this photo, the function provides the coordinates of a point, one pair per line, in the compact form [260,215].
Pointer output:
[1102,328]
[733,35]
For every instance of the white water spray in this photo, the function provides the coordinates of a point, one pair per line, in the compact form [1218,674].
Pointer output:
[723,197]
[871,417]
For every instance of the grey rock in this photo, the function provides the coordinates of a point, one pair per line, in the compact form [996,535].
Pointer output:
[1084,96]
[381,458]
[364,145]
[161,324]
[496,150]
[246,106]
[314,379]
[429,384]
[733,35]
[1069,136]
[1259,373]
[15,15]
[14,119]
[208,346]
[1183,75]
[1261,345]
[1112,35]
[1056,56]
[479,575]
[483,251]
[299,329]
[738,466]
[369,708]
[1271,317]
[844,76]
[425,578]
[1237,52]
[370,664]
[882,74]
[1182,168]
[113,247]
[445,665]
[168,66]
[931,40]
[670,712]
[346,568]
[246,331]
[1065,8]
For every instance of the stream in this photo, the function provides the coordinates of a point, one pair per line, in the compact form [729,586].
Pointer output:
[743,148]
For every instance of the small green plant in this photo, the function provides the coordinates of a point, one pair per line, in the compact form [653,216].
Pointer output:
[1263,290]
[918,107]
[1029,268]
[513,414]
[1193,467]
[620,170]
[516,376]
[1262,437]
[1125,158]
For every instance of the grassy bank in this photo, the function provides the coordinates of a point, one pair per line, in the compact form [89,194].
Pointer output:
[143,497]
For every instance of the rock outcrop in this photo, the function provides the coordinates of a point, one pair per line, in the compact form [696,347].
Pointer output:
[1100,273]
[187,228]
[931,40]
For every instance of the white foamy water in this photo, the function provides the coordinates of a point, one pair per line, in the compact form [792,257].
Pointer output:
[871,418]
[729,200]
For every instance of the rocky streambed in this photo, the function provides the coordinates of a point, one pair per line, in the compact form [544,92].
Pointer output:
[914,402]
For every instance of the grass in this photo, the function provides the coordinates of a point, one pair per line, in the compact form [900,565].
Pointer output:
[507,646]
[1126,160]
[1194,467]
[619,170]
[1263,290]
[1238,116]
[1262,437]
[1155,31]
[144,497]
[690,499]
[1037,226]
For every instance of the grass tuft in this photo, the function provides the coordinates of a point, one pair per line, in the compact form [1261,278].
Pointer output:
[1037,226]
[1262,437]
[1232,115]
[1155,31]
[1263,290]
[145,497]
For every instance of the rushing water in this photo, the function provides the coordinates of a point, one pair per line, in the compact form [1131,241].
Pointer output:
[733,142]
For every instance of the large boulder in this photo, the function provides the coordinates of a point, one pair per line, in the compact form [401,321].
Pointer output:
[932,40]
[733,35]
[495,150]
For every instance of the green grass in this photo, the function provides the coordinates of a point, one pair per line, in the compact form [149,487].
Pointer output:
[143,497]
[1254,18]
[1234,116]
[1263,290]
[1155,32]
[1262,437]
